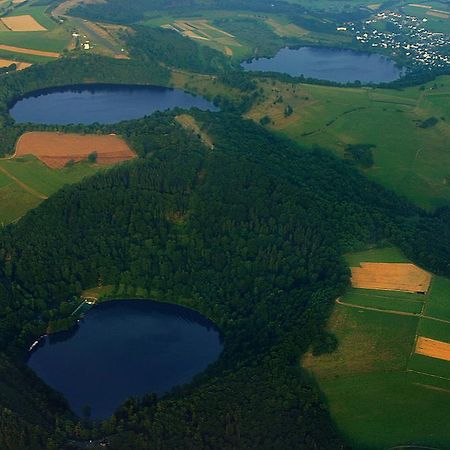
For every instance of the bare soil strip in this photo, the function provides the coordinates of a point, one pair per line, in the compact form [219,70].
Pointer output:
[23,23]
[29,51]
[23,185]
[403,277]
[56,149]
[432,348]
[189,123]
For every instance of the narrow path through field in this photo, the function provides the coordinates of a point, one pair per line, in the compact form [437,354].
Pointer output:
[23,185]
[427,374]
[390,311]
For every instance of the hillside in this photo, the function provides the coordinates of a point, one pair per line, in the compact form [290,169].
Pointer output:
[250,234]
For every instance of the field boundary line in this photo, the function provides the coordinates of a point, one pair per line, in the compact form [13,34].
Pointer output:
[428,374]
[391,311]
[24,186]
[370,308]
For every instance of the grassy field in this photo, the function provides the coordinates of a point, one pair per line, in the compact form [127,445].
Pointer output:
[408,158]
[51,41]
[380,393]
[26,182]
[333,5]
[438,15]
[33,59]
[244,34]
[55,39]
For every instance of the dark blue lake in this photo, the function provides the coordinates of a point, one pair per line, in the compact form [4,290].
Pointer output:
[126,348]
[329,64]
[101,103]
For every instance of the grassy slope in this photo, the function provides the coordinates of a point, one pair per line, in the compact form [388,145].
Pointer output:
[371,384]
[411,160]
[244,43]
[16,201]
[55,39]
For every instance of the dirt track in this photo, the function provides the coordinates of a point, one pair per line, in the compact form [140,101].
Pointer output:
[23,185]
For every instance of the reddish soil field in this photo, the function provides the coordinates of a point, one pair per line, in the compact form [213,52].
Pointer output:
[56,149]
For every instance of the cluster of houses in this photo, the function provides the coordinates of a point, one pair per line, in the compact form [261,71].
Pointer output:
[403,34]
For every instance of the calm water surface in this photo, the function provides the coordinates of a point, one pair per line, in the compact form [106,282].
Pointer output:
[101,103]
[329,64]
[126,348]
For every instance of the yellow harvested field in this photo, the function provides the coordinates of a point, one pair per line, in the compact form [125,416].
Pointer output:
[17,2]
[22,23]
[56,149]
[29,51]
[403,277]
[433,349]
[8,62]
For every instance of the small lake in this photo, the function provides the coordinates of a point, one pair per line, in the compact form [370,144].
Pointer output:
[125,348]
[329,64]
[103,103]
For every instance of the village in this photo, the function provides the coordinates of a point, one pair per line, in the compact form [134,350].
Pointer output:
[404,35]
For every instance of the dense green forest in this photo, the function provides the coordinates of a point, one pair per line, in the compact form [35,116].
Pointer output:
[174,50]
[250,234]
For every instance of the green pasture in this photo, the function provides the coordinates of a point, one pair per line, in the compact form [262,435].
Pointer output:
[438,303]
[15,201]
[379,392]
[433,367]
[386,409]
[33,59]
[385,254]
[51,41]
[38,13]
[409,159]
[433,329]
[386,300]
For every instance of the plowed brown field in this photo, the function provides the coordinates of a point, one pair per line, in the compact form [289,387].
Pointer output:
[56,149]
[391,277]
[434,349]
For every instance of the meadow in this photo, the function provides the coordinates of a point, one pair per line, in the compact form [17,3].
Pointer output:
[437,15]
[244,34]
[380,392]
[410,157]
[26,182]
